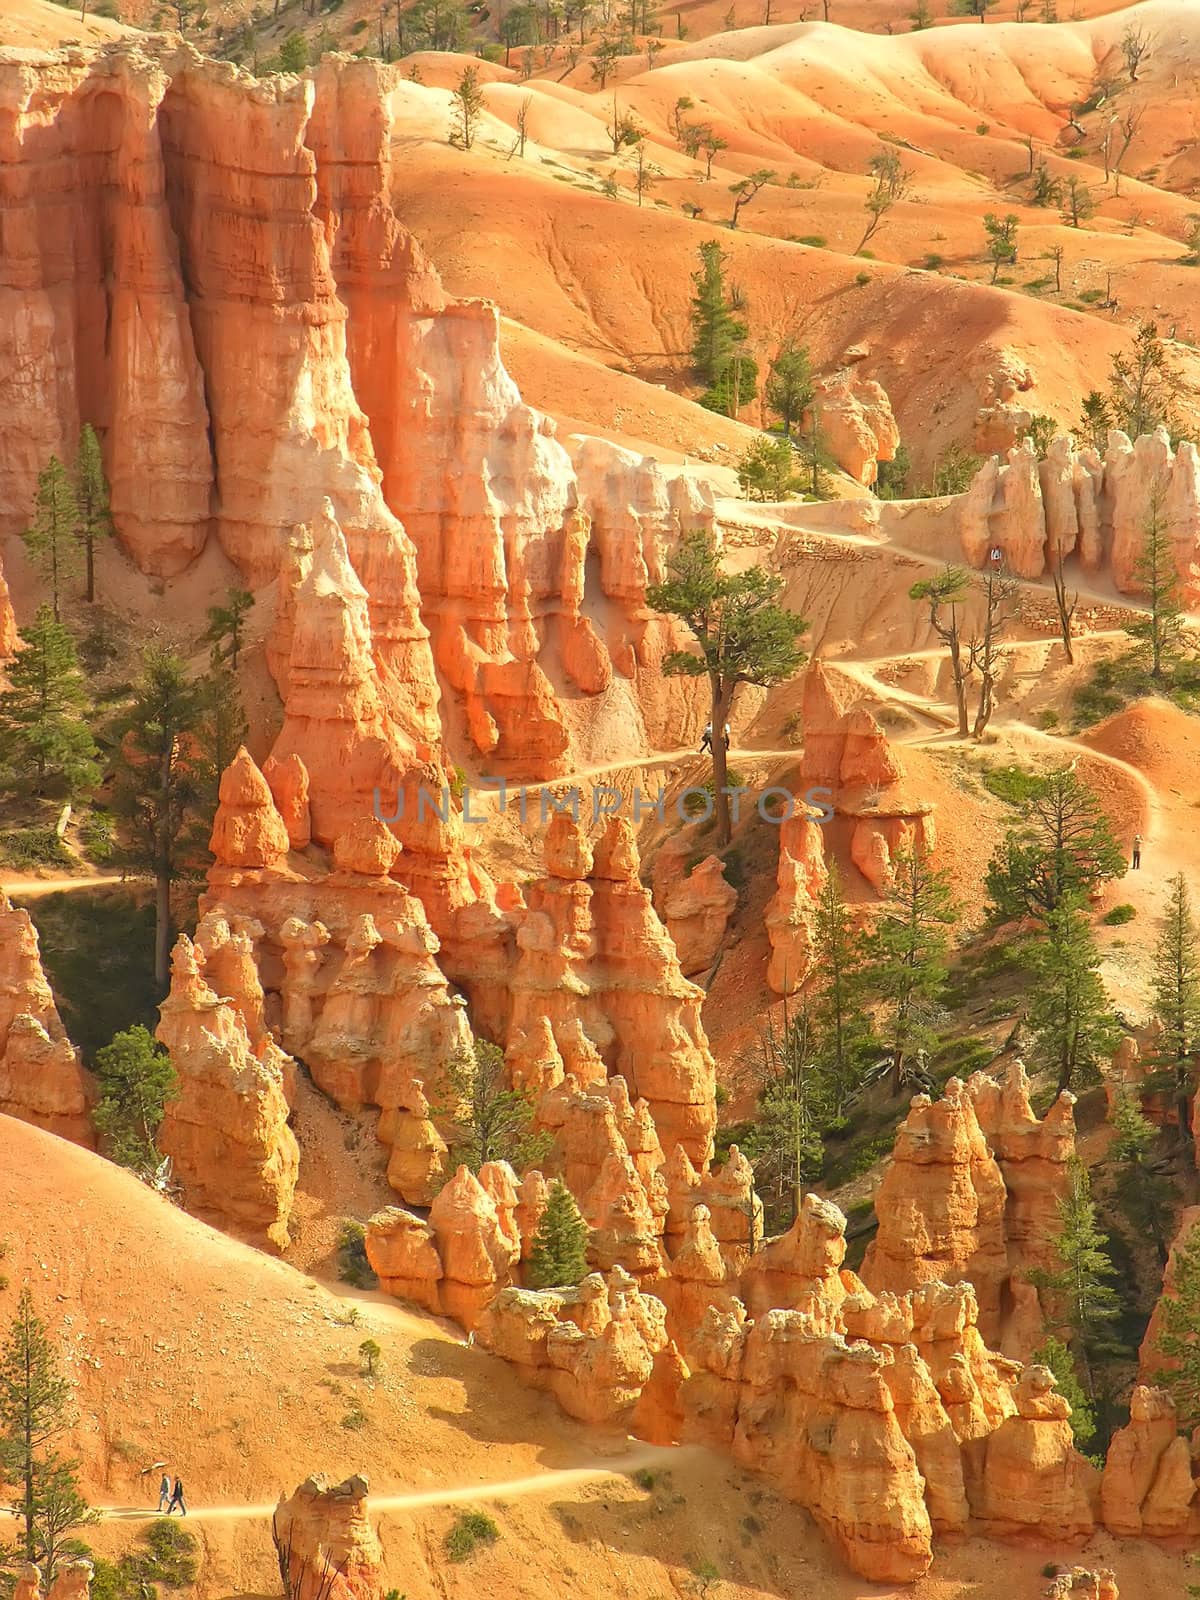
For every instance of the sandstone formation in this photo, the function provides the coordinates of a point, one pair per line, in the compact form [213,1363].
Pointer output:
[476,1250]
[226,1128]
[972,1194]
[72,1581]
[1033,1477]
[1147,1485]
[42,1079]
[1152,1362]
[856,422]
[1081,1583]
[1074,502]
[849,771]
[327,1547]
[696,910]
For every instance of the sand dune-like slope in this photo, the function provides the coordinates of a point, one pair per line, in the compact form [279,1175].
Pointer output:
[610,279]
[41,25]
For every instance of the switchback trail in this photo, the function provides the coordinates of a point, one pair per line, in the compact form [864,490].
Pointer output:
[415,1500]
[26,888]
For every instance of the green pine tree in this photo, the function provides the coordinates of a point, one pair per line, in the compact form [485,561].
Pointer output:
[159,783]
[488,1119]
[1144,1194]
[559,1255]
[1177,1000]
[843,1030]
[717,333]
[44,741]
[790,386]
[35,1407]
[1060,849]
[1069,1015]
[742,632]
[1179,1333]
[136,1081]
[768,470]
[796,1104]
[50,537]
[906,960]
[1054,1354]
[1085,1301]
[1159,629]
[91,499]
[226,628]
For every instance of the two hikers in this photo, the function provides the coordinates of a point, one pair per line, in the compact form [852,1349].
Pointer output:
[171,1496]
[706,737]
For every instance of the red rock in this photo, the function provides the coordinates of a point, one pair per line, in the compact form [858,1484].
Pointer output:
[327,1547]
[477,1253]
[226,1130]
[403,1253]
[697,912]
[42,1079]
[1135,1460]
[288,782]
[247,829]
[1033,1479]
[1151,1360]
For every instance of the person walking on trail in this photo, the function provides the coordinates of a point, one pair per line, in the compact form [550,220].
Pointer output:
[706,738]
[164,1494]
[177,1499]
[1137,851]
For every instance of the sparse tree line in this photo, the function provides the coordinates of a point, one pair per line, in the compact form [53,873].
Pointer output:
[164,740]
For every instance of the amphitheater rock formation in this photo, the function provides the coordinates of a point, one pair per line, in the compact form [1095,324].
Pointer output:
[42,1079]
[327,1547]
[1077,502]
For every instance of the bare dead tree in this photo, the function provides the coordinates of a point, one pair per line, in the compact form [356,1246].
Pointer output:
[1129,125]
[518,148]
[1136,43]
[1065,604]
[984,648]
[944,594]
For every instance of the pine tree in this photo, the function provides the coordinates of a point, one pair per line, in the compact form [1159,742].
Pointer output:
[1177,998]
[50,537]
[795,1106]
[1144,1194]
[468,108]
[1060,850]
[136,1081]
[44,740]
[1179,1333]
[489,1119]
[1159,630]
[836,997]
[790,387]
[1088,1303]
[1001,248]
[944,594]
[1069,1015]
[1142,384]
[767,471]
[159,783]
[35,1407]
[1096,419]
[906,960]
[744,636]
[715,329]
[226,625]
[91,499]
[559,1255]
[1054,1354]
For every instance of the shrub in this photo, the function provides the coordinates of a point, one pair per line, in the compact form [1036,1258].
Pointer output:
[353,1266]
[96,836]
[983,127]
[644,1479]
[1119,915]
[1047,719]
[355,1419]
[1012,784]
[933,261]
[473,1528]
[33,847]
[817,241]
[862,279]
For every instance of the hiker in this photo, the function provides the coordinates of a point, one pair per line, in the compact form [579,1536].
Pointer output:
[1137,851]
[164,1494]
[706,738]
[727,736]
[177,1499]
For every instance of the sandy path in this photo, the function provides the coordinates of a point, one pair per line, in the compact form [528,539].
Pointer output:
[27,887]
[461,1494]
